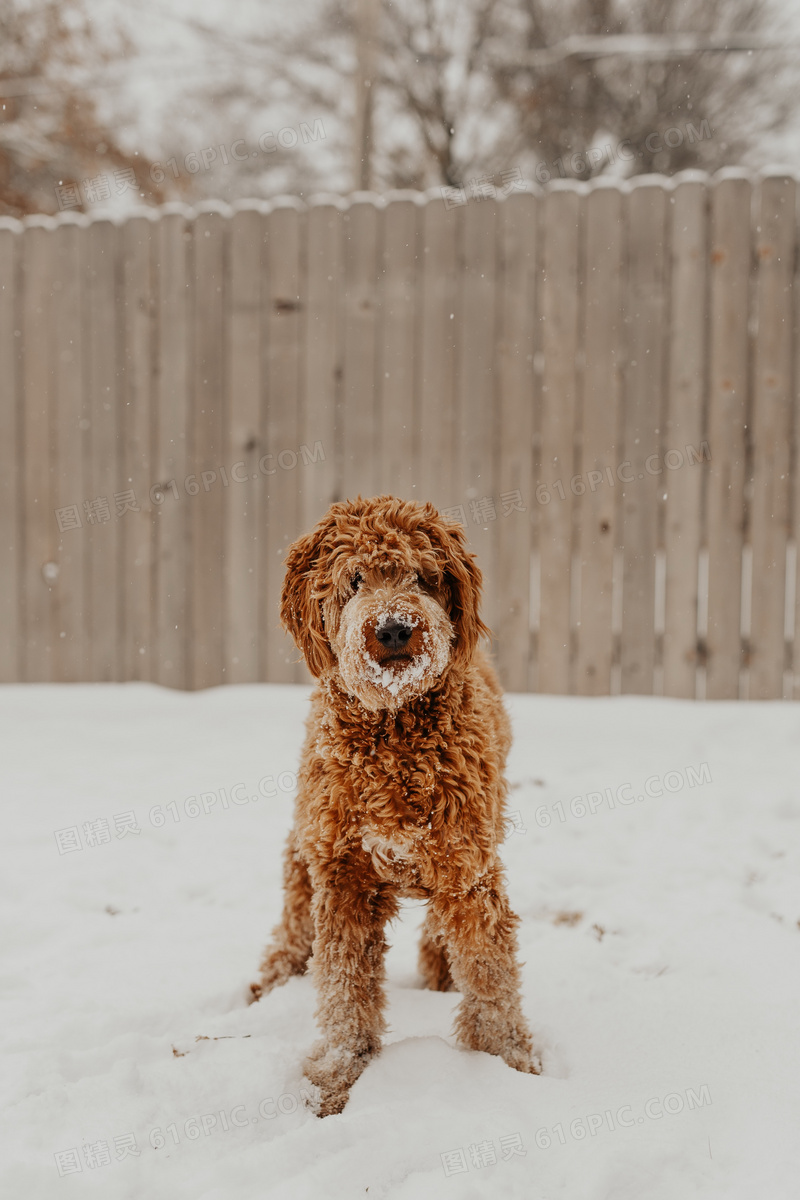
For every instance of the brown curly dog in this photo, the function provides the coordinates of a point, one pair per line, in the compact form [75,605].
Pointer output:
[401,787]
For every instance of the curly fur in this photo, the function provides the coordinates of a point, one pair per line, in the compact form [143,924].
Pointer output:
[401,789]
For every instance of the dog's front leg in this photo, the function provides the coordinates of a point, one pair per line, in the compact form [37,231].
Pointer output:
[350,914]
[479,930]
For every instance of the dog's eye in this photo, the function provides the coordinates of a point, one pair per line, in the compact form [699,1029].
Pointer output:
[355,582]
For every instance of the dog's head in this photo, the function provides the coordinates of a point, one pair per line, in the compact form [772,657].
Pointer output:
[384,593]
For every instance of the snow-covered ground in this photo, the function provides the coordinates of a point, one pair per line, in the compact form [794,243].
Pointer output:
[660,938]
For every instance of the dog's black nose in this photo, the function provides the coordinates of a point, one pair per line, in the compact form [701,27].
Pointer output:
[394,634]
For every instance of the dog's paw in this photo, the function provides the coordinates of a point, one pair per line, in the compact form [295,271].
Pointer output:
[255,992]
[523,1059]
[518,1051]
[332,1070]
[489,1026]
[329,1102]
[515,1046]
[311,1096]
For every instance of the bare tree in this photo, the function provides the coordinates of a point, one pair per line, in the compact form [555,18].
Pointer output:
[430,96]
[470,89]
[437,108]
[367,12]
[698,109]
[296,74]
[50,132]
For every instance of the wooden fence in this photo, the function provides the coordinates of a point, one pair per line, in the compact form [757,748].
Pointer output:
[601,382]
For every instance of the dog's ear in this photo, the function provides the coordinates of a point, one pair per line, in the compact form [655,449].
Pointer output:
[301,613]
[463,582]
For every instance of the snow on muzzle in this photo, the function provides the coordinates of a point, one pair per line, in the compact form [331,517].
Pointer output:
[394,651]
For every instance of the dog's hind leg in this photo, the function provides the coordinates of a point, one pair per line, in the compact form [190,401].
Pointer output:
[434,965]
[290,948]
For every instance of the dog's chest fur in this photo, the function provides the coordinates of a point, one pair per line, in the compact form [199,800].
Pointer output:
[397,795]
[397,859]
[395,772]
[407,792]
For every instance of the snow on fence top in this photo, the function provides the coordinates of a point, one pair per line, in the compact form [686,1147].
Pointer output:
[381,200]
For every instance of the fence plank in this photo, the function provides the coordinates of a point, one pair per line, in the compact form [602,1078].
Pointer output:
[725,476]
[104,477]
[360,445]
[207,451]
[793,617]
[560,289]
[771,432]
[645,315]
[245,447]
[437,351]
[174,309]
[40,530]
[72,431]
[597,508]
[397,345]
[397,421]
[282,516]
[322,481]
[11,473]
[683,428]
[518,246]
[475,442]
[134,508]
